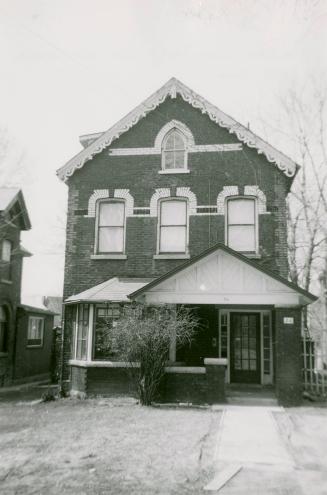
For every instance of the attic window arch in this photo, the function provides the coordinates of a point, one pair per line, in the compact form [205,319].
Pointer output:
[173,150]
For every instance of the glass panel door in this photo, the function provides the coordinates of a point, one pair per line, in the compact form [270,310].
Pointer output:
[245,348]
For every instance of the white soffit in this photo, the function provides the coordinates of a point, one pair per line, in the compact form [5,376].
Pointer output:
[171,89]
[221,278]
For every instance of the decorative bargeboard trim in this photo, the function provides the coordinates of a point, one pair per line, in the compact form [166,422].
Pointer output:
[171,89]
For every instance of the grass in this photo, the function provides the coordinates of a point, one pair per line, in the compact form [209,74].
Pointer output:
[104,446]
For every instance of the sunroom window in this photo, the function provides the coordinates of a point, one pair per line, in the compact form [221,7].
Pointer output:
[174,151]
[111,227]
[104,320]
[82,331]
[173,226]
[241,224]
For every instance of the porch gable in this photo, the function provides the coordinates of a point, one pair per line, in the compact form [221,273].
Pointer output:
[221,276]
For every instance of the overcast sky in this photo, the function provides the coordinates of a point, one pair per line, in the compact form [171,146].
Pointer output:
[71,67]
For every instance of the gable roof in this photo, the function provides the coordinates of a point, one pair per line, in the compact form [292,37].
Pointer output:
[9,197]
[309,297]
[171,89]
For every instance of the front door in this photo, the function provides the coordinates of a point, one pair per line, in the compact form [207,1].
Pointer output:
[245,348]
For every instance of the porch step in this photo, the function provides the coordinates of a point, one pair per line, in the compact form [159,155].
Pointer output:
[252,401]
[251,395]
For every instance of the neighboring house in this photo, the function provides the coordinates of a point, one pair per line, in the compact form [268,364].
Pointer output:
[25,331]
[178,203]
[54,304]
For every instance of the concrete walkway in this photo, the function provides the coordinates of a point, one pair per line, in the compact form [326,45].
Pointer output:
[250,448]
[250,435]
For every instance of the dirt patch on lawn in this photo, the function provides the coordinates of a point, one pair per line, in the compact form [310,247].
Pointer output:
[105,446]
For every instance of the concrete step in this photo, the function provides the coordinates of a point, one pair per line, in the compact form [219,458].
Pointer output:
[246,400]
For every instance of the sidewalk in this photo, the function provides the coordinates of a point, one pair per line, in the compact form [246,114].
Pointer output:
[249,440]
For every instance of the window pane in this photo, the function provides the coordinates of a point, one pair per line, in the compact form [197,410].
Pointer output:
[111,214]
[111,240]
[169,159]
[173,239]
[241,211]
[174,141]
[173,213]
[6,250]
[241,238]
[179,159]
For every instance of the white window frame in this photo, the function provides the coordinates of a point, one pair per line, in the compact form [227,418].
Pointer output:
[8,243]
[178,253]
[163,156]
[256,220]
[30,319]
[76,329]
[96,243]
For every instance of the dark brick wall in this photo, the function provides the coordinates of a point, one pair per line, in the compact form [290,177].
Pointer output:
[109,382]
[288,359]
[184,387]
[210,172]
[31,361]
[196,388]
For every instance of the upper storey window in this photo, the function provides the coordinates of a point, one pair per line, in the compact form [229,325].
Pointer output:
[242,224]
[174,151]
[6,259]
[173,226]
[111,227]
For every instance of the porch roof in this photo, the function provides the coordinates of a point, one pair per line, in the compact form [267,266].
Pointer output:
[220,275]
[114,289]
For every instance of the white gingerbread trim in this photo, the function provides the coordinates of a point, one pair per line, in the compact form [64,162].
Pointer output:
[163,192]
[104,194]
[97,194]
[260,195]
[174,124]
[225,193]
[171,89]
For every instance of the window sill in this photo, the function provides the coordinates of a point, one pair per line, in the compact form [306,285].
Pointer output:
[171,257]
[4,281]
[108,257]
[252,255]
[34,346]
[174,171]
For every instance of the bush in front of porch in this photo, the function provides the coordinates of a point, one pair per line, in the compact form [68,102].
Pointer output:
[142,337]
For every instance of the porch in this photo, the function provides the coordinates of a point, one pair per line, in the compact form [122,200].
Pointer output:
[249,330]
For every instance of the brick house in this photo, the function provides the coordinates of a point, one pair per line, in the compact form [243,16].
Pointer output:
[178,203]
[25,332]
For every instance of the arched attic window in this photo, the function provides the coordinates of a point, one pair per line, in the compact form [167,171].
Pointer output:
[174,151]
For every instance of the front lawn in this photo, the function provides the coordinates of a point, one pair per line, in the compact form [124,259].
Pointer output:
[104,446]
